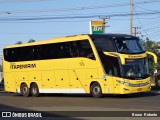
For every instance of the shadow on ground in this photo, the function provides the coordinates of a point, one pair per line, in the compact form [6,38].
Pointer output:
[154,92]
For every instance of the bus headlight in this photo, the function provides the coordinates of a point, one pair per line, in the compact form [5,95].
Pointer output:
[124,83]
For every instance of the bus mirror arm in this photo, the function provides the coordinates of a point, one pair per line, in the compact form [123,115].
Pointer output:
[154,56]
[113,54]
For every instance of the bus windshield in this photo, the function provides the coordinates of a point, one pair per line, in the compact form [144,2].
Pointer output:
[135,68]
[129,45]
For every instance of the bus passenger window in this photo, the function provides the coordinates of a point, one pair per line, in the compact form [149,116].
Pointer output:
[41,52]
[86,49]
[73,50]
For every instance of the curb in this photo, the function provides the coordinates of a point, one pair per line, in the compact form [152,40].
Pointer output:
[2,91]
[155,91]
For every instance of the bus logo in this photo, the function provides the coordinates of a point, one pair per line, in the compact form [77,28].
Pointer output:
[22,66]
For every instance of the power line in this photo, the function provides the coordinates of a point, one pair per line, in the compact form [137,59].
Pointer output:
[19,1]
[135,32]
[75,17]
[76,8]
[2,20]
[145,8]
[51,21]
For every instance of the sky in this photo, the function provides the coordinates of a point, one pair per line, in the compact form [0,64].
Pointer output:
[22,20]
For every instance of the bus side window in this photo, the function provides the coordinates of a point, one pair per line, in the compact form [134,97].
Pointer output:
[73,49]
[51,54]
[40,52]
[14,54]
[62,50]
[66,50]
[9,54]
[26,53]
[6,54]
[87,50]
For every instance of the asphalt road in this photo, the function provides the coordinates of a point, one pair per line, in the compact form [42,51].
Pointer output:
[79,102]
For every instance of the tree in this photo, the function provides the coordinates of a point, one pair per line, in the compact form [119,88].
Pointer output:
[151,46]
[31,40]
[18,42]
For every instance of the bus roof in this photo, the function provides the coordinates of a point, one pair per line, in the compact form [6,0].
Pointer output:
[71,38]
[52,40]
[109,35]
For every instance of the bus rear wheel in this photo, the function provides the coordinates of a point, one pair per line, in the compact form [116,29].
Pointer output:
[96,90]
[24,90]
[34,90]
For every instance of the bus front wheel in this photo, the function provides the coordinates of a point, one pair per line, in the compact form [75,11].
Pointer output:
[34,90]
[24,90]
[96,90]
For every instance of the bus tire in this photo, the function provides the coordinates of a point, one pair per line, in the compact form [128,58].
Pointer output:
[96,90]
[24,90]
[34,90]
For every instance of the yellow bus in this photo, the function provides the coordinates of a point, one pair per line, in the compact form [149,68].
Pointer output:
[92,64]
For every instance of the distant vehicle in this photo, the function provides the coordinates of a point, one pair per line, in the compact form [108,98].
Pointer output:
[91,64]
[2,83]
[157,78]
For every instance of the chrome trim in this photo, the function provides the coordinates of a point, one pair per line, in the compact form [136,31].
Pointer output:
[139,85]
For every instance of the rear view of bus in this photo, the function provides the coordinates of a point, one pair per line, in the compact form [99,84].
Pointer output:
[125,62]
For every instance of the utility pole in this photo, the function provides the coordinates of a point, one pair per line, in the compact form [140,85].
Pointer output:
[131,15]
[135,31]
[104,23]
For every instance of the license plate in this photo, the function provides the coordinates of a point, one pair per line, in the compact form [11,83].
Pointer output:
[139,89]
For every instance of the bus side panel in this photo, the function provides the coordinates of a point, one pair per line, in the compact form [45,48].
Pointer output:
[17,86]
[92,75]
[9,82]
[49,81]
[83,79]
[34,76]
[22,76]
[62,81]
[117,86]
[77,81]
[108,85]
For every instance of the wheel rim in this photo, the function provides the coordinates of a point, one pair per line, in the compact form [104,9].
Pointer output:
[34,90]
[96,90]
[25,90]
